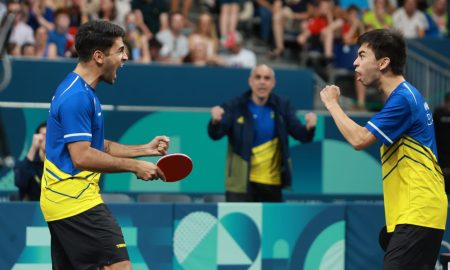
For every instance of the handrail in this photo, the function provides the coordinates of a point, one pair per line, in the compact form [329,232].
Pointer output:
[4,33]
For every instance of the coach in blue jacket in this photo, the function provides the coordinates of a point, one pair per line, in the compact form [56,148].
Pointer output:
[257,125]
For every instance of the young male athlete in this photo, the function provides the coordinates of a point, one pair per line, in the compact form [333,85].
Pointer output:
[84,234]
[414,198]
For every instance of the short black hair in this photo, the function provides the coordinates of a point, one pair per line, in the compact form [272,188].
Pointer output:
[96,35]
[387,43]
[41,125]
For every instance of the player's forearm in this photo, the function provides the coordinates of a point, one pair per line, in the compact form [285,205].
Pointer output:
[125,151]
[98,161]
[31,153]
[351,131]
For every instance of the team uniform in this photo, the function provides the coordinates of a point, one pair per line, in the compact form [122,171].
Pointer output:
[70,198]
[265,163]
[413,185]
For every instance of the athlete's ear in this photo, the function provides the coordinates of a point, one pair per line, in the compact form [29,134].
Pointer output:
[98,57]
[383,63]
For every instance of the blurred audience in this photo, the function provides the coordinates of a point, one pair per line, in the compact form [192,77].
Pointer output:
[21,32]
[150,13]
[409,20]
[229,17]
[288,17]
[238,56]
[136,41]
[60,36]
[28,172]
[378,17]
[175,44]
[206,29]
[437,18]
[40,13]
[185,7]
[266,11]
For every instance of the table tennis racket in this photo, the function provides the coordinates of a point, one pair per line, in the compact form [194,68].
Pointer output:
[175,166]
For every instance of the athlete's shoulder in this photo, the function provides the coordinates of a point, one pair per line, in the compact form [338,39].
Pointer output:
[410,93]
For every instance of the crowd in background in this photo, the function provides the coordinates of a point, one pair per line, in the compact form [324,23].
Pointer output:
[208,32]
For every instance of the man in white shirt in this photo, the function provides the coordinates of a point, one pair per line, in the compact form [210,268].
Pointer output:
[410,21]
[239,56]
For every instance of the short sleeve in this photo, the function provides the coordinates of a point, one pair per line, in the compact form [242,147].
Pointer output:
[75,117]
[392,121]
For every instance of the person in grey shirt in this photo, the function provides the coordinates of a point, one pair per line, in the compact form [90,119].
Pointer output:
[175,45]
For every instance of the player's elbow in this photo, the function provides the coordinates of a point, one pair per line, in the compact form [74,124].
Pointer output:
[79,162]
[359,144]
[358,147]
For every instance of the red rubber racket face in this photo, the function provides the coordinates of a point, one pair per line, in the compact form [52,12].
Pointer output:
[175,166]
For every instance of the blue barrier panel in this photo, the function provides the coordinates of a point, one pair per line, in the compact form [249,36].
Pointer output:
[364,223]
[156,85]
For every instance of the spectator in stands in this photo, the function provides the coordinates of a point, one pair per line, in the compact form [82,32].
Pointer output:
[206,29]
[441,118]
[378,18]
[410,21]
[238,56]
[123,7]
[28,50]
[345,29]
[136,41]
[437,17]
[60,35]
[28,172]
[108,11]
[40,13]
[266,11]
[175,45]
[149,12]
[288,17]
[258,125]
[13,49]
[229,17]
[323,14]
[78,14]
[198,51]
[185,9]
[21,32]
[154,47]
[42,47]
[415,202]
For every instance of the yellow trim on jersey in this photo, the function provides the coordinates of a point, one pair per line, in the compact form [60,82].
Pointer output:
[64,195]
[413,185]
[265,163]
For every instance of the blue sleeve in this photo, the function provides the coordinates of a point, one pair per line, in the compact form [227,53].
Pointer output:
[392,121]
[76,118]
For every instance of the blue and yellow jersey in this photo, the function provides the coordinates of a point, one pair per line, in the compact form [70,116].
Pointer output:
[75,115]
[265,164]
[413,183]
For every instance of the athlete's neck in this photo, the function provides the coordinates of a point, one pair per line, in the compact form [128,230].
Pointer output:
[89,73]
[389,83]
